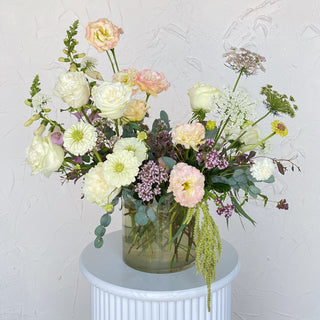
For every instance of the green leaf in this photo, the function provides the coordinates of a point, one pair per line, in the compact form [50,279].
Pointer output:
[86,158]
[100,231]
[221,187]
[242,178]
[253,189]
[169,162]
[105,220]
[240,211]
[270,180]
[238,172]
[98,242]
[151,214]
[164,117]
[141,218]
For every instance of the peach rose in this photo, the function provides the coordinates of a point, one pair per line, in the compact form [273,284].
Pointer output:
[136,110]
[103,34]
[152,82]
[189,135]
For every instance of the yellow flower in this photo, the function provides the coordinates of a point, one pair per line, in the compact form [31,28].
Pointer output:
[210,125]
[279,128]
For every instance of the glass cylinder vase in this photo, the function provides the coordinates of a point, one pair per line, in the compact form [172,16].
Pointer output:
[160,242]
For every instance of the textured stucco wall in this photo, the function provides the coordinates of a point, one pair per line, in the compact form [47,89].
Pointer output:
[44,226]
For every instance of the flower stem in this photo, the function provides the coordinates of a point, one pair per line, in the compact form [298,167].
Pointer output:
[235,85]
[257,144]
[261,118]
[117,127]
[147,98]
[112,65]
[115,59]
[97,154]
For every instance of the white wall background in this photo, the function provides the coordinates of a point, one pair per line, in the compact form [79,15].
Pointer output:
[44,226]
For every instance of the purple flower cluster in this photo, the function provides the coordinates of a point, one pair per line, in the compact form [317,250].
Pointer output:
[151,176]
[243,60]
[283,204]
[226,210]
[211,157]
[160,142]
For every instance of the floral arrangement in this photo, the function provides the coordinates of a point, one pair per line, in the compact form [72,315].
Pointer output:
[220,155]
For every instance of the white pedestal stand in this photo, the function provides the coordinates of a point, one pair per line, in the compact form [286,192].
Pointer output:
[119,292]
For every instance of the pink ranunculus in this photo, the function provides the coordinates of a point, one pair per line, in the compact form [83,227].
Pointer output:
[103,34]
[152,82]
[187,184]
[189,135]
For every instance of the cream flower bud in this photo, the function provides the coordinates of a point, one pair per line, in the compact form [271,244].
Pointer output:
[202,96]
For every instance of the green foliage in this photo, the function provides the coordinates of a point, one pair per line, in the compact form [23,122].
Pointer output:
[238,209]
[208,246]
[278,103]
[169,162]
[35,87]
[164,117]
[105,220]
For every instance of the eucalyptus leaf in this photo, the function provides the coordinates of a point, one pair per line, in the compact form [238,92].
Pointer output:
[164,117]
[270,180]
[151,214]
[105,220]
[169,162]
[141,218]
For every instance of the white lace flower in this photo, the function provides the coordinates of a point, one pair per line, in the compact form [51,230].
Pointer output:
[39,100]
[262,169]
[121,168]
[237,106]
[80,138]
[132,144]
[96,189]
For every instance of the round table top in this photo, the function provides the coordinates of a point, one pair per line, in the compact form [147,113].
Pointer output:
[105,269]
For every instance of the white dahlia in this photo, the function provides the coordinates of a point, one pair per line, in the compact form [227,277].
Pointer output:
[96,189]
[121,168]
[80,138]
[132,144]
[262,169]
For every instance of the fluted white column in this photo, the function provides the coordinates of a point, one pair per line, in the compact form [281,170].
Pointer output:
[119,292]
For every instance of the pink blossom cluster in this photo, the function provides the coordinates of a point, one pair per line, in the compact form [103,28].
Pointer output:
[243,60]
[151,176]
[211,157]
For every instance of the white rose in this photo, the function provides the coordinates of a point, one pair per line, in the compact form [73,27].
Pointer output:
[202,97]
[112,98]
[72,88]
[44,156]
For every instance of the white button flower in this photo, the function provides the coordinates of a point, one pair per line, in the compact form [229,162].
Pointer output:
[121,168]
[132,144]
[80,138]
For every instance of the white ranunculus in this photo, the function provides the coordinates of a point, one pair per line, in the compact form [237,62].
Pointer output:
[112,98]
[44,156]
[262,170]
[73,88]
[202,97]
[96,189]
